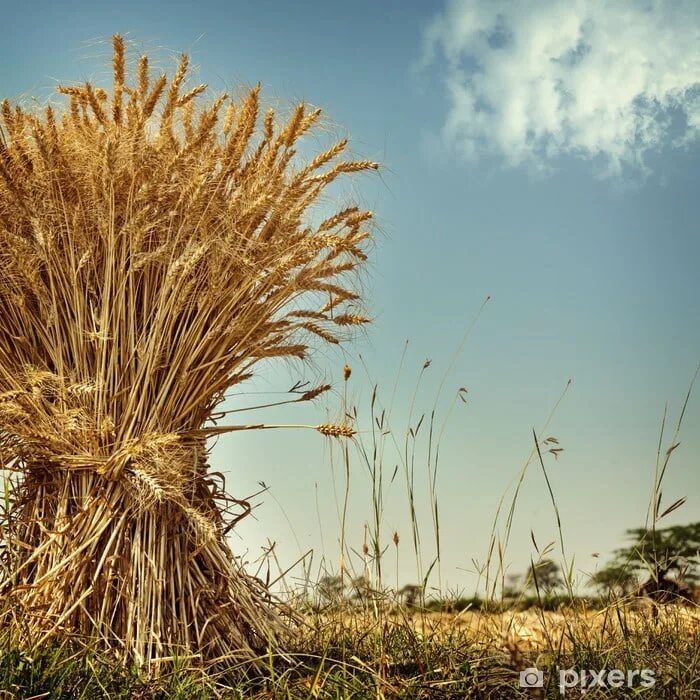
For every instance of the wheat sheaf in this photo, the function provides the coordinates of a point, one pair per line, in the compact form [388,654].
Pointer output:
[155,247]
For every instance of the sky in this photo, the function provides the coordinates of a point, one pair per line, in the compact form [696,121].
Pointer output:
[542,154]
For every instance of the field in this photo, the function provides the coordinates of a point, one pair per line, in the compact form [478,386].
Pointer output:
[370,652]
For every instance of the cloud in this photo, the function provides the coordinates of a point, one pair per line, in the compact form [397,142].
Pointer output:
[535,80]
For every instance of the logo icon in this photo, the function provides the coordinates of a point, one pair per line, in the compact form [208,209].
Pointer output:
[531,678]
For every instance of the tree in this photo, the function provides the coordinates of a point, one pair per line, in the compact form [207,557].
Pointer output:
[411,594]
[669,558]
[673,551]
[544,576]
[511,586]
[615,579]
[331,589]
[362,589]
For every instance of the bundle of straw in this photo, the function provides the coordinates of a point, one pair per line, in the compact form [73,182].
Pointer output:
[152,252]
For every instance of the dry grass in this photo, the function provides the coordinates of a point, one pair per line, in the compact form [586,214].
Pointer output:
[386,652]
[153,251]
[536,630]
[476,654]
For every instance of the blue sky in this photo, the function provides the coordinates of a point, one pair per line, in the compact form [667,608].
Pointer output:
[545,154]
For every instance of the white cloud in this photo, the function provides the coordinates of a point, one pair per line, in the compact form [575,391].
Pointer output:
[533,80]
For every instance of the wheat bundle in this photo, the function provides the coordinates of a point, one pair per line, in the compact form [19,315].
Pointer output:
[152,253]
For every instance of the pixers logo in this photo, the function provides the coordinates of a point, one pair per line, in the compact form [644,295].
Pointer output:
[588,679]
[531,678]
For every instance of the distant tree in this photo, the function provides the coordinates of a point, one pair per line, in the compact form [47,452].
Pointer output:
[330,589]
[672,550]
[668,557]
[410,594]
[544,576]
[615,578]
[511,586]
[362,588]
